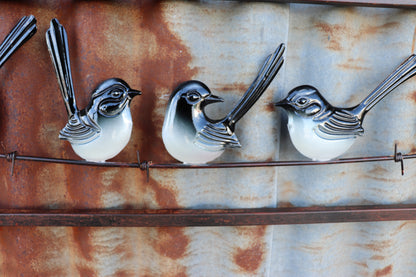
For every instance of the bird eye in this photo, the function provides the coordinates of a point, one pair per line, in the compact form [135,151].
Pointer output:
[116,93]
[193,96]
[302,101]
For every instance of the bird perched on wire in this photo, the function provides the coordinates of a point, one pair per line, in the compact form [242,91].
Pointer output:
[190,136]
[322,132]
[22,32]
[101,130]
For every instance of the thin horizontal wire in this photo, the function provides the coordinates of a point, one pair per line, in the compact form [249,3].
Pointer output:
[145,164]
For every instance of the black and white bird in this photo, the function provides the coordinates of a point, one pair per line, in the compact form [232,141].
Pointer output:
[22,32]
[101,130]
[321,131]
[190,136]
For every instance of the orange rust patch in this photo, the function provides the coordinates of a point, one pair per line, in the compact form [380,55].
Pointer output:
[377,257]
[255,232]
[181,274]
[83,271]
[270,107]
[165,197]
[22,248]
[150,57]
[236,87]
[370,30]
[249,259]
[171,242]
[336,33]
[285,205]
[385,271]
[413,96]
[352,66]
[82,239]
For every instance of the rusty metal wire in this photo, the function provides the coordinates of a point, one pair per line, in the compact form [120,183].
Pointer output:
[147,165]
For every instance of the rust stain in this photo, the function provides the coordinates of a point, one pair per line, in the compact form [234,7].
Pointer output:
[233,87]
[361,264]
[249,259]
[412,96]
[378,247]
[284,204]
[165,197]
[333,32]
[371,30]
[270,107]
[352,67]
[414,41]
[171,242]
[377,257]
[83,271]
[312,248]
[336,33]
[384,272]
[82,240]
[378,170]
[255,232]
[179,274]
[288,188]
[21,247]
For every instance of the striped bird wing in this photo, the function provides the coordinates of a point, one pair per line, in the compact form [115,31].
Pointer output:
[215,137]
[80,130]
[340,125]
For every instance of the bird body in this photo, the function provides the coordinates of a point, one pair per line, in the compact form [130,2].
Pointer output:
[321,131]
[101,130]
[306,140]
[114,136]
[190,136]
[183,125]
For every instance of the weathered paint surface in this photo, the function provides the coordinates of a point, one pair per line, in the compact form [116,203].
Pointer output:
[154,46]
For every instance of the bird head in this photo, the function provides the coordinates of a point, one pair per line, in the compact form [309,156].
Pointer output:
[194,93]
[304,100]
[112,96]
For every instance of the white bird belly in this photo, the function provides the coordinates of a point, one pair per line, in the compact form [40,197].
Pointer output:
[114,136]
[308,143]
[182,147]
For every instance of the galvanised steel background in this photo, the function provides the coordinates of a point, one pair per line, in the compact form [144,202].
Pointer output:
[344,52]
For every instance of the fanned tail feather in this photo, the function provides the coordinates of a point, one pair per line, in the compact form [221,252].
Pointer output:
[23,31]
[57,41]
[402,73]
[265,76]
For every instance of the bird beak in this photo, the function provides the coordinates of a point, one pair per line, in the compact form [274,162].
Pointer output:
[283,103]
[133,93]
[213,99]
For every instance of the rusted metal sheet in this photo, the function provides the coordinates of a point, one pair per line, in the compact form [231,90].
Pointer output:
[156,45]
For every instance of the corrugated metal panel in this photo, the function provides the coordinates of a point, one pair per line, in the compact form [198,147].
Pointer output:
[154,46]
